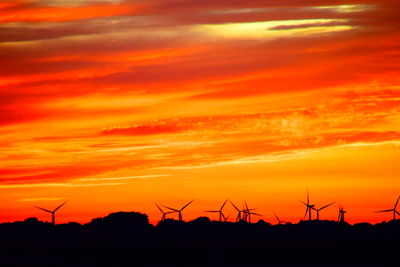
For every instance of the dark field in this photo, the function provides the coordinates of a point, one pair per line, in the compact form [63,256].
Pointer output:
[127,239]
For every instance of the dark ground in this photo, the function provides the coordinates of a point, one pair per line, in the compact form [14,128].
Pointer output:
[127,239]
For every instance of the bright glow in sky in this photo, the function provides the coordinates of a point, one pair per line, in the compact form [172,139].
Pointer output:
[116,104]
[267,29]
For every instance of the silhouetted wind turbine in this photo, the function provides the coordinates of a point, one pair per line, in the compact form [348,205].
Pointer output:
[309,207]
[248,212]
[53,212]
[164,213]
[221,214]
[341,214]
[180,218]
[239,216]
[279,221]
[393,210]
[318,210]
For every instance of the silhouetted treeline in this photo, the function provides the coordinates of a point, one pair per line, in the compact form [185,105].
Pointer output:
[128,239]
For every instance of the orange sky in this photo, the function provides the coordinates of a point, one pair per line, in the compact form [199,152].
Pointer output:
[116,104]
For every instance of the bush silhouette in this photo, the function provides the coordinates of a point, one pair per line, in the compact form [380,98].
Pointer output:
[122,221]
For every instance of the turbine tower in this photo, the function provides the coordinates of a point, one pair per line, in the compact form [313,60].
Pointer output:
[239,214]
[179,211]
[248,212]
[393,210]
[53,212]
[341,214]
[164,213]
[309,207]
[318,210]
[220,213]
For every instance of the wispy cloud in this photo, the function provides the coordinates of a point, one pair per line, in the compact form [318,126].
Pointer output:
[38,199]
[124,178]
[55,185]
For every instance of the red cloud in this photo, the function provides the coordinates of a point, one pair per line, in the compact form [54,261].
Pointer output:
[31,13]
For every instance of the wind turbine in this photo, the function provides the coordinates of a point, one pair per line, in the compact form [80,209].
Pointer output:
[239,216]
[164,213]
[393,210]
[341,214]
[248,212]
[53,212]
[309,207]
[221,214]
[179,211]
[279,221]
[318,210]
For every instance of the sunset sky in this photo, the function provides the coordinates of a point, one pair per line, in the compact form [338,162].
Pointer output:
[116,104]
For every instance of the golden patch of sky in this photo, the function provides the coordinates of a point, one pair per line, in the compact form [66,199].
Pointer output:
[265,29]
[345,8]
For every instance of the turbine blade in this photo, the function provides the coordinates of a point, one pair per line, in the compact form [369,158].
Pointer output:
[159,207]
[43,209]
[186,205]
[234,206]
[171,208]
[211,211]
[308,197]
[276,216]
[306,212]
[223,205]
[245,204]
[226,218]
[60,206]
[383,210]
[238,217]
[223,216]
[326,206]
[257,214]
[397,202]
